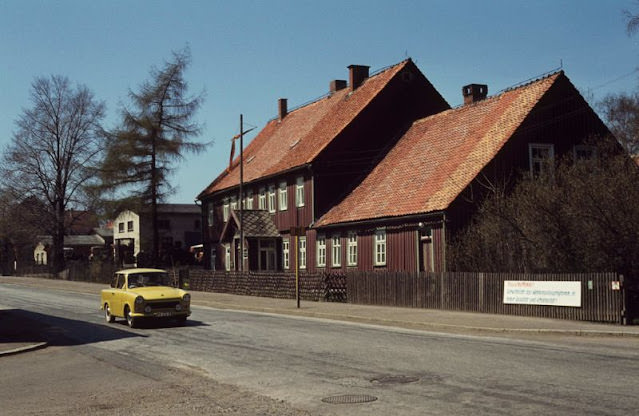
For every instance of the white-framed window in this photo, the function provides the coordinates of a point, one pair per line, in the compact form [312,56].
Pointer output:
[248,200]
[120,227]
[261,199]
[302,251]
[210,219]
[351,249]
[227,257]
[282,194]
[271,198]
[129,226]
[286,253]
[584,152]
[299,192]
[336,251]
[321,251]
[233,203]
[541,156]
[226,210]
[380,248]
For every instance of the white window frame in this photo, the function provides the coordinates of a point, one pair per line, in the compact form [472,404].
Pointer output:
[379,247]
[302,253]
[299,192]
[336,251]
[271,199]
[233,203]
[247,203]
[226,210]
[210,219]
[282,194]
[537,163]
[286,253]
[321,251]
[351,249]
[227,257]
[261,199]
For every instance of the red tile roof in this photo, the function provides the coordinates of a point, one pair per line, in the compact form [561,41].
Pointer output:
[438,157]
[300,136]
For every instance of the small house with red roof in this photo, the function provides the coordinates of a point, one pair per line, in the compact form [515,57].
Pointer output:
[381,173]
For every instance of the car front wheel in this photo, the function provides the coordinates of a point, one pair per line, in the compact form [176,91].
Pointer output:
[129,319]
[107,314]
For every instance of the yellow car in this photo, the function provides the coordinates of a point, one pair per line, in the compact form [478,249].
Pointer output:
[136,294]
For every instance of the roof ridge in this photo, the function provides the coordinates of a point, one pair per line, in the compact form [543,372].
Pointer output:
[329,94]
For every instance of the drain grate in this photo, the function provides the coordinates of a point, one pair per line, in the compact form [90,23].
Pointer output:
[394,379]
[349,399]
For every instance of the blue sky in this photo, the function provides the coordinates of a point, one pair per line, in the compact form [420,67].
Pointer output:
[247,54]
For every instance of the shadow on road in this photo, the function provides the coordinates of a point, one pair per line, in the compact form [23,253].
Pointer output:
[20,326]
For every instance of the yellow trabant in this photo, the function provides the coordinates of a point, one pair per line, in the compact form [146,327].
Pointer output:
[136,294]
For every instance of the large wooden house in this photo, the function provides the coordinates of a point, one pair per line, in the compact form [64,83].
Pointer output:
[306,160]
[403,215]
[380,173]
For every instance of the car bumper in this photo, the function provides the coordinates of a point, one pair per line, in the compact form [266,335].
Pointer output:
[162,314]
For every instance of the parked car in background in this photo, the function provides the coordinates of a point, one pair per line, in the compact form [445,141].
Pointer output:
[137,294]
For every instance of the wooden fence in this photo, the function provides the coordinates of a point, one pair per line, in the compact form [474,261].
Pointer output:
[483,292]
[268,284]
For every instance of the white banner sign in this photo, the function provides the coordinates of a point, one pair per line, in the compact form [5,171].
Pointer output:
[527,292]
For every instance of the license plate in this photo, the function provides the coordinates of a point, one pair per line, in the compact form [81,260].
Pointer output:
[164,314]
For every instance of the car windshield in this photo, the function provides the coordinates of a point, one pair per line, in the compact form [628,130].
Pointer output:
[149,279]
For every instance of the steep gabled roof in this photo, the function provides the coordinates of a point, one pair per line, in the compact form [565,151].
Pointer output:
[438,157]
[303,133]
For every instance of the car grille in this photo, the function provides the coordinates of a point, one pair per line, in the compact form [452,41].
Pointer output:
[163,305]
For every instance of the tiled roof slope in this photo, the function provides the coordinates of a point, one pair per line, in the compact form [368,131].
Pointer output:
[438,157]
[303,133]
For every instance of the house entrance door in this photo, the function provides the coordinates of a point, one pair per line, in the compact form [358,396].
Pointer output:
[427,254]
[267,255]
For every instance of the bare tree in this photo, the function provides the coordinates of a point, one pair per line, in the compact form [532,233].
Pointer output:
[583,217]
[153,134]
[621,113]
[53,152]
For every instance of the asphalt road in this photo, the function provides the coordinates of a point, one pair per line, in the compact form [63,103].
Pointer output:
[327,368]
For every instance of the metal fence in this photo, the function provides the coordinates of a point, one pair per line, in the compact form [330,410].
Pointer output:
[602,296]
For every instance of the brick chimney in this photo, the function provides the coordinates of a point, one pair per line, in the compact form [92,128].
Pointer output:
[357,74]
[282,108]
[474,92]
[336,85]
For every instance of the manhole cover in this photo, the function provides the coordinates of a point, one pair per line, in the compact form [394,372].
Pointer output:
[395,379]
[349,399]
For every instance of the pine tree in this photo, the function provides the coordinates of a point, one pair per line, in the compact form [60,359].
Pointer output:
[155,132]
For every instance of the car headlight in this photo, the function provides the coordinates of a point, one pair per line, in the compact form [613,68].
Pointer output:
[186,298]
[147,309]
[139,300]
[178,307]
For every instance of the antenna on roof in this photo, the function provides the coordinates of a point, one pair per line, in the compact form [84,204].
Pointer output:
[561,64]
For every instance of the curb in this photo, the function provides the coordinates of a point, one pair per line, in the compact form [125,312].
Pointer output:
[424,326]
[26,348]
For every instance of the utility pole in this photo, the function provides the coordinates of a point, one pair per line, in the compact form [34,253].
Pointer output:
[241,192]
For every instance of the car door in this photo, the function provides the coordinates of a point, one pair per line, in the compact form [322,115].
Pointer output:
[117,295]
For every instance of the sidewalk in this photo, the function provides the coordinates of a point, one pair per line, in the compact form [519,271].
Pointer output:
[28,335]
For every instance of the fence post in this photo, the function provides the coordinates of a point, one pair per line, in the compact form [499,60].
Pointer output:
[481,292]
[624,296]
